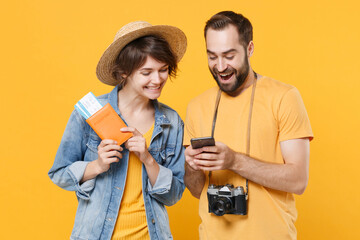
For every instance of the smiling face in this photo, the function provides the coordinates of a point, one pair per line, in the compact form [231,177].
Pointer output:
[148,80]
[227,58]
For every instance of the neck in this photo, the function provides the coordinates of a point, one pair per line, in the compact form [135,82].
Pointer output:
[250,79]
[129,102]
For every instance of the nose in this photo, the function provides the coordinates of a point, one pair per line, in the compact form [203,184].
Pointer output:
[156,77]
[221,65]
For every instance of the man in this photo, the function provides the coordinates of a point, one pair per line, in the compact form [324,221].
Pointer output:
[262,135]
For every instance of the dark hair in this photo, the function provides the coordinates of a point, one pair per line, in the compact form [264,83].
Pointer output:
[134,55]
[222,19]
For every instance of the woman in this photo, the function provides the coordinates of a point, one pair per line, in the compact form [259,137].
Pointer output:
[122,190]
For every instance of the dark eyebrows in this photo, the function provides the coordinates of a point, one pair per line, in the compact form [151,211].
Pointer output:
[230,51]
[224,53]
[150,69]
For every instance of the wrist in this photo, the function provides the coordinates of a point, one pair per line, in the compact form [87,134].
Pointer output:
[235,163]
[97,167]
[148,160]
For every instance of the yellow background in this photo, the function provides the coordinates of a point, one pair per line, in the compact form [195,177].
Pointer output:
[49,51]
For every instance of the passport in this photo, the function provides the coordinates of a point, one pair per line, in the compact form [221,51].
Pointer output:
[103,119]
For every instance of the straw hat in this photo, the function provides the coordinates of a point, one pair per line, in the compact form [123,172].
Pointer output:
[173,35]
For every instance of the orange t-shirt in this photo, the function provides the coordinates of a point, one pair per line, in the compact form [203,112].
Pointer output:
[278,114]
[131,222]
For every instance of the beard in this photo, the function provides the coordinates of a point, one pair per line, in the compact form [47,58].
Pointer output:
[240,77]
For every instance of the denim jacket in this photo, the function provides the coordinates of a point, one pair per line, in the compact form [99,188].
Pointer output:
[99,198]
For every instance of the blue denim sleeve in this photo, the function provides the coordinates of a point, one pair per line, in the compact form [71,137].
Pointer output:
[169,185]
[69,165]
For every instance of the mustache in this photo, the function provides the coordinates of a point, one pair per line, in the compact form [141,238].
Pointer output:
[226,71]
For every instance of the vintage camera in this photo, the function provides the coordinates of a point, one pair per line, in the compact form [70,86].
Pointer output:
[227,200]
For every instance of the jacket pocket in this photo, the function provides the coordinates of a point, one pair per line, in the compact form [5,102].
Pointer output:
[166,155]
[92,145]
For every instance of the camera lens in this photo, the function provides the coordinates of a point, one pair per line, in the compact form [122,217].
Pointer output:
[221,206]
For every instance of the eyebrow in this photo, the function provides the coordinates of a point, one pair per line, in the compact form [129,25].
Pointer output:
[149,69]
[226,52]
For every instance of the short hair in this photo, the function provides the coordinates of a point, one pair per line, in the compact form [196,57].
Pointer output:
[223,19]
[134,55]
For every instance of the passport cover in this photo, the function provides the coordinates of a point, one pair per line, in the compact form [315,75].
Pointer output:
[107,124]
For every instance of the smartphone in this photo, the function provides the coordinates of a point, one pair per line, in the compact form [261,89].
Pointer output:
[202,142]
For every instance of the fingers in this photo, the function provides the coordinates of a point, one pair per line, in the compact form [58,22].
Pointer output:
[109,147]
[189,151]
[108,152]
[109,157]
[136,149]
[207,163]
[111,154]
[105,142]
[137,145]
[209,158]
[133,130]
[212,149]
[138,141]
[112,160]
[191,165]
[206,156]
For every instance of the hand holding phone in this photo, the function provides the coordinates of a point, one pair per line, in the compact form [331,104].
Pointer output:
[202,142]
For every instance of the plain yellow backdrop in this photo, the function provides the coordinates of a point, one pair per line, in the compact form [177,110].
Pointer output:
[49,51]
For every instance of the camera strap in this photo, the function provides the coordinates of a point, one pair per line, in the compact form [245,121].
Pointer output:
[248,134]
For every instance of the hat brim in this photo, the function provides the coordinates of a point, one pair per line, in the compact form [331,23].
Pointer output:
[173,35]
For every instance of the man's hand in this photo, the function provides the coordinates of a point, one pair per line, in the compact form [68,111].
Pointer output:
[194,177]
[190,155]
[211,158]
[290,176]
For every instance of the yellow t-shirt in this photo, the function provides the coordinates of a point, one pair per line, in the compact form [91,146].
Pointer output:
[131,222]
[278,114]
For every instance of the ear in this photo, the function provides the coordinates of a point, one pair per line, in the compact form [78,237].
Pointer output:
[250,48]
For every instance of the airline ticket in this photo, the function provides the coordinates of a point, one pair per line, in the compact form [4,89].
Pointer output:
[88,105]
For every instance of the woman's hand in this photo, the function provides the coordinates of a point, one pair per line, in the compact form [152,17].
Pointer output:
[137,144]
[108,152]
